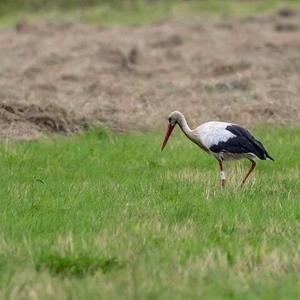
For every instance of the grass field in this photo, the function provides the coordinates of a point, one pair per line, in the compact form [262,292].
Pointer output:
[107,216]
[133,12]
[101,216]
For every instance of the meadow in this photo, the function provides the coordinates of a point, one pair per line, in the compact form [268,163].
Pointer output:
[107,216]
[133,12]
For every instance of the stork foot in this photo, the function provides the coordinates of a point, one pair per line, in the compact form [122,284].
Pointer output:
[223,183]
[253,165]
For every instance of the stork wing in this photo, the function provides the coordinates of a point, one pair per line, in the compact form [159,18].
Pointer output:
[243,142]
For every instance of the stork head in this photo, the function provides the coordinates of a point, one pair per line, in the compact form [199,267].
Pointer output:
[173,119]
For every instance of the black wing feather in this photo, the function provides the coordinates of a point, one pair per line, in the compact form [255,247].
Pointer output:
[243,142]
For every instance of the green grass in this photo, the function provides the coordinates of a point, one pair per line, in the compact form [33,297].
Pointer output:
[133,12]
[101,216]
[68,266]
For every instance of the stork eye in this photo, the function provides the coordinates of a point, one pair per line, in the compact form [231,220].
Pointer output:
[169,119]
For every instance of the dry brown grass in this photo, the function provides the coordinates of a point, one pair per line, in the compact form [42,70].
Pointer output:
[65,77]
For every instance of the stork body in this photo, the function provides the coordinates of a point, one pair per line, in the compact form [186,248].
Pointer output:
[224,141]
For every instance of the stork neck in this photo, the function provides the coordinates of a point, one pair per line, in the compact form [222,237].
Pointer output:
[185,128]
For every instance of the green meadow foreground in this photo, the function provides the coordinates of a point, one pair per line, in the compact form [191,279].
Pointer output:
[101,216]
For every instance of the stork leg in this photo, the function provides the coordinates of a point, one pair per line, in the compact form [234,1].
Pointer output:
[253,165]
[222,174]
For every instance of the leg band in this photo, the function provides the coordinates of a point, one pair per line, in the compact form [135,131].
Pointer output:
[222,175]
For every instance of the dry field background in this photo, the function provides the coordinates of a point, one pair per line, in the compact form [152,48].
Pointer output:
[66,77]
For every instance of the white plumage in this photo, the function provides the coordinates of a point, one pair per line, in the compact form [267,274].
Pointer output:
[213,132]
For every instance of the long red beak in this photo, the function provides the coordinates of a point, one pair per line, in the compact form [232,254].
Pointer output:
[168,133]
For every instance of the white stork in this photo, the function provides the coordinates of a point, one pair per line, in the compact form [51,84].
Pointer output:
[225,141]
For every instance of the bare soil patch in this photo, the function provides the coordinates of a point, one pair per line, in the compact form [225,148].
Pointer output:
[67,77]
